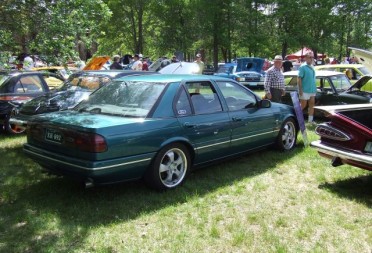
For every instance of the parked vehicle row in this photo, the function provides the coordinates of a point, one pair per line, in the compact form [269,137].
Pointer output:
[77,88]
[103,127]
[333,88]
[157,127]
[18,87]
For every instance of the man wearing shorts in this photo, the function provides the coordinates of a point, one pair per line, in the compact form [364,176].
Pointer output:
[307,86]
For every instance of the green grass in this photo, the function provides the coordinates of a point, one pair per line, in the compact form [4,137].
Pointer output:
[265,202]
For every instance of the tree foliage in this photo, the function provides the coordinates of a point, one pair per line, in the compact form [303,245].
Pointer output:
[219,29]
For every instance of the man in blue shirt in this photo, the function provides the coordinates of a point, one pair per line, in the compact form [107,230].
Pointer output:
[307,85]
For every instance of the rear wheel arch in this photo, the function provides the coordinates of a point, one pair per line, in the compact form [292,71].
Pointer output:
[170,166]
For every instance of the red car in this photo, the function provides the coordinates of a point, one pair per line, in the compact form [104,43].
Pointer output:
[347,137]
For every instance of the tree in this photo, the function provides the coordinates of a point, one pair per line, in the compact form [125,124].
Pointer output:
[53,28]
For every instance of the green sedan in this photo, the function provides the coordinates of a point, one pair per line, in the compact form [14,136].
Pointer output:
[157,128]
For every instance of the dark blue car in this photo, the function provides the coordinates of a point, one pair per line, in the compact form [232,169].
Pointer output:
[247,71]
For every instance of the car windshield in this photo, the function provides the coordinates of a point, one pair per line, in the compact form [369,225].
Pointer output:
[85,82]
[3,78]
[341,82]
[126,99]
[224,68]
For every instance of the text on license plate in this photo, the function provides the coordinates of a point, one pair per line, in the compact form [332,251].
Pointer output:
[52,135]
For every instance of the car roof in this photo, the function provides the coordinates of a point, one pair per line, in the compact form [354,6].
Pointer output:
[168,78]
[340,66]
[19,72]
[317,73]
[112,73]
[228,64]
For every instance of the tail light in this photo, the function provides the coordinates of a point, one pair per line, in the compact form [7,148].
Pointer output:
[82,141]
[88,142]
[326,131]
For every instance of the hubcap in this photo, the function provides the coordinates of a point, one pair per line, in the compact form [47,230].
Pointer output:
[289,135]
[173,167]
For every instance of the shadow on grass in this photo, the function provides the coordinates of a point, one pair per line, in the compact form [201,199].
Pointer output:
[358,189]
[33,206]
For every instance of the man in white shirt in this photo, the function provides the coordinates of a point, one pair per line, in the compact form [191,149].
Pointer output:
[28,63]
[137,65]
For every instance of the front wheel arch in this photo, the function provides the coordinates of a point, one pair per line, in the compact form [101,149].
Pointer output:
[287,136]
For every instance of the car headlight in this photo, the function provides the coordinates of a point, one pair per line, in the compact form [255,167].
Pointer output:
[240,79]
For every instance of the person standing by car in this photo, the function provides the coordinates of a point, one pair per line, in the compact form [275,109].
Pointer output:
[200,64]
[307,85]
[174,59]
[145,65]
[274,81]
[287,65]
[137,65]
[116,64]
[28,63]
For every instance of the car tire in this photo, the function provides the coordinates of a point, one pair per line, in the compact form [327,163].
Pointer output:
[10,128]
[169,168]
[287,136]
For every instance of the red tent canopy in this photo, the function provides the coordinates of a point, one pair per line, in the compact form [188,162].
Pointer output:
[301,54]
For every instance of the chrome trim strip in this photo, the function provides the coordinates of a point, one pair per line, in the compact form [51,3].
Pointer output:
[251,136]
[18,122]
[340,153]
[242,138]
[211,145]
[81,167]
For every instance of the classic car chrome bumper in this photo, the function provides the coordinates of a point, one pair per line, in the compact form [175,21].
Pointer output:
[18,122]
[342,154]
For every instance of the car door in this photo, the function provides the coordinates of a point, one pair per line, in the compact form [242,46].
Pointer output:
[329,90]
[252,126]
[204,122]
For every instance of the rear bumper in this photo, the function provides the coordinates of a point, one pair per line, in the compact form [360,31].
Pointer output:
[99,172]
[344,156]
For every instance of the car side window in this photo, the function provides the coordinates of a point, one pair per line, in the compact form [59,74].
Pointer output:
[236,97]
[350,73]
[204,98]
[28,84]
[53,82]
[291,81]
[327,85]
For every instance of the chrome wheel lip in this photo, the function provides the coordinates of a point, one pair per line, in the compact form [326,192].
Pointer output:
[289,135]
[173,167]
[13,128]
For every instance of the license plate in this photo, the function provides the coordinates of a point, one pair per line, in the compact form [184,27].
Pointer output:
[53,135]
[368,147]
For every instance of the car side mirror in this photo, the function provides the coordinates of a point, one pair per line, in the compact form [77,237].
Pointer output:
[265,103]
